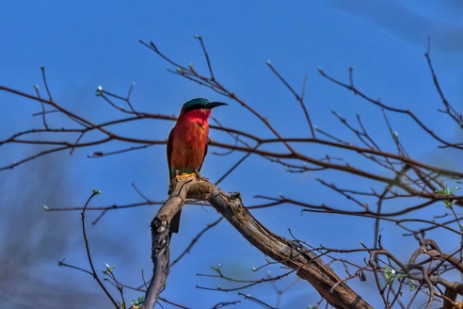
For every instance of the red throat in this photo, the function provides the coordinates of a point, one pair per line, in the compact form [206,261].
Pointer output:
[200,115]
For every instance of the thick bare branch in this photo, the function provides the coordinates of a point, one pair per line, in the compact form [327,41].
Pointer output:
[290,253]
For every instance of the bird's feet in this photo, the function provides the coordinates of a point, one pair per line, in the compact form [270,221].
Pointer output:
[183,176]
[195,173]
[178,177]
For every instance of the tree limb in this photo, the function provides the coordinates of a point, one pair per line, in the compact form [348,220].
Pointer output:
[290,253]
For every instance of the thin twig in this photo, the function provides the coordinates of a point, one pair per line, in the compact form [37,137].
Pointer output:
[87,250]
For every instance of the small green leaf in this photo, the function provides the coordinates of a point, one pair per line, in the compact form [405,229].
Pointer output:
[451,203]
[138,302]
[109,269]
[411,285]
[390,274]
[442,192]
[447,204]
[446,192]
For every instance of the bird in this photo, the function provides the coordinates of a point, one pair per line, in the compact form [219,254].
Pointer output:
[187,143]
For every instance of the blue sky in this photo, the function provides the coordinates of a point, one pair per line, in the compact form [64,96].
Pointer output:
[86,44]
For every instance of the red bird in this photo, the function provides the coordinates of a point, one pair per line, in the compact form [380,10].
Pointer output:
[187,144]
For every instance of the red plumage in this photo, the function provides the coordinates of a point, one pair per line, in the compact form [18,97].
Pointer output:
[187,143]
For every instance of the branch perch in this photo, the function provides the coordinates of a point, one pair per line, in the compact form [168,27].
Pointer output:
[290,253]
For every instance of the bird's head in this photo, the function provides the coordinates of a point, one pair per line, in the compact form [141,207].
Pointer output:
[199,108]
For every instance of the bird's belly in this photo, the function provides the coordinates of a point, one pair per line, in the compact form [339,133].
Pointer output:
[187,154]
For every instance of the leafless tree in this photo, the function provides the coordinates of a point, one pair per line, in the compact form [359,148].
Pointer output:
[432,272]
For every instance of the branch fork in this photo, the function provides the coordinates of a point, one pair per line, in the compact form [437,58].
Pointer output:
[307,265]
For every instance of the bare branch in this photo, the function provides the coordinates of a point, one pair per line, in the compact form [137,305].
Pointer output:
[87,249]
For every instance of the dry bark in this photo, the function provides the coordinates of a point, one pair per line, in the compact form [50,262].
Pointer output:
[290,253]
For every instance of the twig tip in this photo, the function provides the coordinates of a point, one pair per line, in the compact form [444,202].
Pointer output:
[99,90]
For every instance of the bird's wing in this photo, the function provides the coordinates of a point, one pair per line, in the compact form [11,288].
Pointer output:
[175,223]
[169,152]
[205,153]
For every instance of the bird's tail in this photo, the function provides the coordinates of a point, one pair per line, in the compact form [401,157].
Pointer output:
[175,223]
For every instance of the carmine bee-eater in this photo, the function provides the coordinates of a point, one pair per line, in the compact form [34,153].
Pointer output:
[187,143]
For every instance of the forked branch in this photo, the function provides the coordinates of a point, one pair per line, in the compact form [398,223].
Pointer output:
[290,253]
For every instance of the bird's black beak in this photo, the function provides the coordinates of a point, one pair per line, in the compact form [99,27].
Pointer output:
[211,105]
